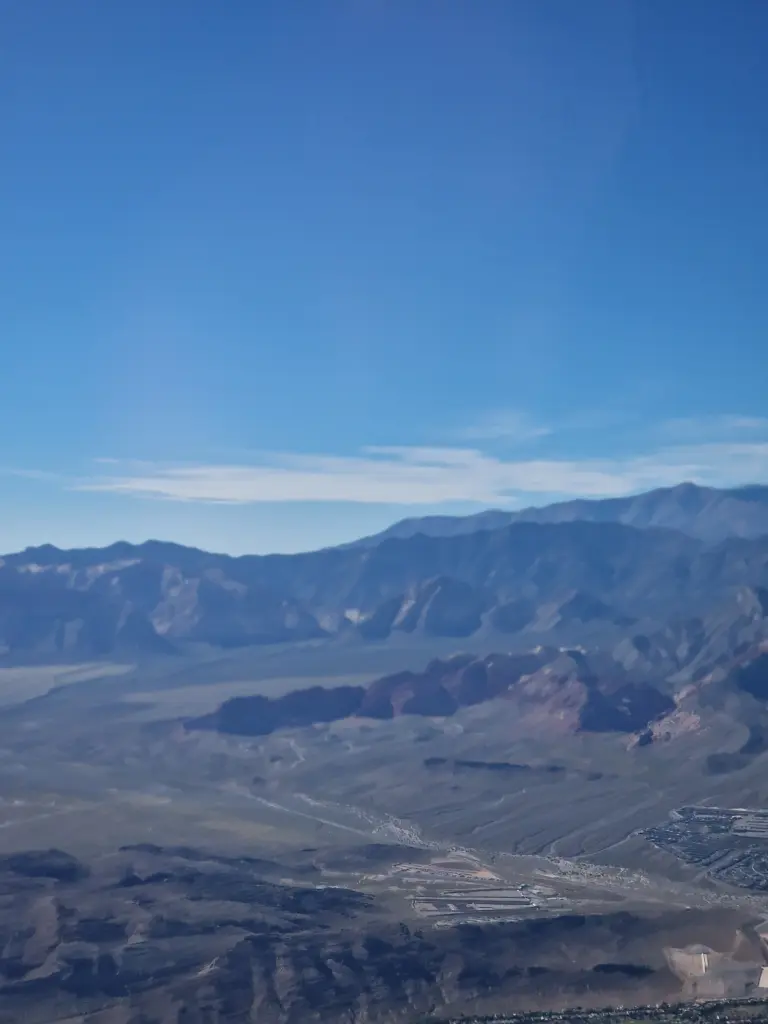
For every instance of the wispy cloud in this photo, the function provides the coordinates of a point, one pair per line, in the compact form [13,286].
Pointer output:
[509,425]
[715,427]
[43,475]
[433,476]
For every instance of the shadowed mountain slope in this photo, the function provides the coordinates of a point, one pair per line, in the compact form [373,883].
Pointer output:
[709,513]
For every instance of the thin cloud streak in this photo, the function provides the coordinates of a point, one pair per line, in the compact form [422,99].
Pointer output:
[45,476]
[433,476]
[509,425]
[714,427]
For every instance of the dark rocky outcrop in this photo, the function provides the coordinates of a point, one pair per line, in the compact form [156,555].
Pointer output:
[259,716]
[459,765]
[565,685]
[628,708]
[55,864]
[753,677]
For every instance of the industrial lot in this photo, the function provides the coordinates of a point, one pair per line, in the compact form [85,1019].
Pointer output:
[459,888]
[730,844]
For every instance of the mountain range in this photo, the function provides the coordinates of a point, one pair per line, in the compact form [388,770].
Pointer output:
[585,569]
[705,512]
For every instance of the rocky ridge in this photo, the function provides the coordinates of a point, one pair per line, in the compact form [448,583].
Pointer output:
[540,582]
[565,688]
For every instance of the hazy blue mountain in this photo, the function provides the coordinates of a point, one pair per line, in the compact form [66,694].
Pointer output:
[704,512]
[540,580]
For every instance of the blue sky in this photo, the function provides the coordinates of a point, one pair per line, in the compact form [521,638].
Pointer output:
[275,274]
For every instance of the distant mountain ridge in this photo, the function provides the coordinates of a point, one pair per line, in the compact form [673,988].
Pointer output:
[574,692]
[539,581]
[709,513]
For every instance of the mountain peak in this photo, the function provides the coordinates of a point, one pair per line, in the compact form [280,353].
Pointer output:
[708,513]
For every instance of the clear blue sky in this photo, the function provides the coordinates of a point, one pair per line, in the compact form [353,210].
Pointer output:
[274,273]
